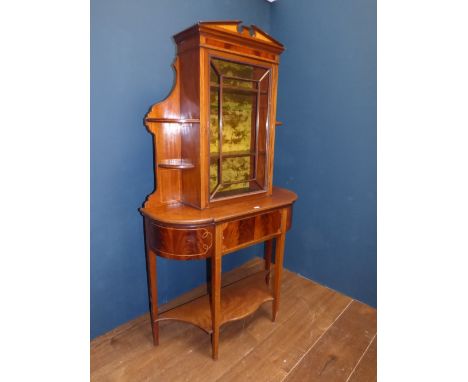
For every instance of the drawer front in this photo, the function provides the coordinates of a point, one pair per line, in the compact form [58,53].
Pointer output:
[180,243]
[240,232]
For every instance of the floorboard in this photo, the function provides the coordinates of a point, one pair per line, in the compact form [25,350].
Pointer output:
[335,355]
[365,370]
[319,335]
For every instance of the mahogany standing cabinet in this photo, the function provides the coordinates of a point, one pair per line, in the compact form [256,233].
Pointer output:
[214,141]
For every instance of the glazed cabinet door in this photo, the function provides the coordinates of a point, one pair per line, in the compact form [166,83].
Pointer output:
[238,127]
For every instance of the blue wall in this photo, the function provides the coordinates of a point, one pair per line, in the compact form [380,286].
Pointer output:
[131,55]
[326,150]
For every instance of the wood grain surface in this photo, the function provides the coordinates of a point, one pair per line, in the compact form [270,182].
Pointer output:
[338,352]
[180,244]
[179,214]
[365,370]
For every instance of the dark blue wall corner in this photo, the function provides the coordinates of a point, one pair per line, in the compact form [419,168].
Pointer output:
[131,55]
[326,150]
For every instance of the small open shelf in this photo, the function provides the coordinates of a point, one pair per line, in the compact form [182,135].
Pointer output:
[238,300]
[176,164]
[173,120]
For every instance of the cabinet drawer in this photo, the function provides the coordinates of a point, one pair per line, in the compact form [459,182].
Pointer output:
[180,243]
[240,232]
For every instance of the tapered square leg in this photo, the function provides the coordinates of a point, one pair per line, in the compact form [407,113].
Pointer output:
[267,252]
[152,293]
[216,290]
[279,254]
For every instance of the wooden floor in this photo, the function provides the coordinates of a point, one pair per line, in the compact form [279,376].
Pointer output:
[319,335]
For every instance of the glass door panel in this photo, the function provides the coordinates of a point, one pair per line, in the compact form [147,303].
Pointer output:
[238,127]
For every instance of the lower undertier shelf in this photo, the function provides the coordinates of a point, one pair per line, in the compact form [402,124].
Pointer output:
[238,300]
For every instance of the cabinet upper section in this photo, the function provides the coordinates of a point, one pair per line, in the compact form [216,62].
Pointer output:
[230,36]
[214,134]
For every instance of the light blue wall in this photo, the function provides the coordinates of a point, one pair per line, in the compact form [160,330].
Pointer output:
[326,150]
[131,55]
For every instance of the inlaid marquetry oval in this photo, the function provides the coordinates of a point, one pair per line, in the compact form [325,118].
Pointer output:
[181,243]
